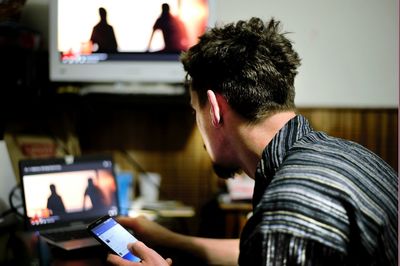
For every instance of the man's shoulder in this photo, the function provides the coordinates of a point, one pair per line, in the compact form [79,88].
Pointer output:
[322,150]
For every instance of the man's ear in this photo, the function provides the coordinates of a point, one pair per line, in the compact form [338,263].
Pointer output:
[215,110]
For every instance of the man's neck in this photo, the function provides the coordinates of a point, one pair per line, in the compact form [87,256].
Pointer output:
[254,138]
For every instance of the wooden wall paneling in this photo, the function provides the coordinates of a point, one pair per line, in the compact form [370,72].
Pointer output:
[376,129]
[161,139]
[166,140]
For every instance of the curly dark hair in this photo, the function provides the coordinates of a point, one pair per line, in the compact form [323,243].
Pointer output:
[251,63]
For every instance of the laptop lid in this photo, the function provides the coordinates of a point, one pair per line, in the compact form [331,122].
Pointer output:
[62,192]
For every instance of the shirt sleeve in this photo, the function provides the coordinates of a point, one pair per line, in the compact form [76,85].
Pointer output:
[276,249]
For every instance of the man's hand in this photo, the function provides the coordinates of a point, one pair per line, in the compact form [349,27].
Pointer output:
[139,249]
[147,231]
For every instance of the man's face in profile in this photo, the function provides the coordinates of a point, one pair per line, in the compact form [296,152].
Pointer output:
[209,136]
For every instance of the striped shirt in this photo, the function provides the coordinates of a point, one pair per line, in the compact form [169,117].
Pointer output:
[320,200]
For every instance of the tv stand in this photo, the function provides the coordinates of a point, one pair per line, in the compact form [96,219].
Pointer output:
[133,88]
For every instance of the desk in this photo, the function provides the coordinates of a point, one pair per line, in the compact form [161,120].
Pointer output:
[170,213]
[49,255]
[26,248]
[236,215]
[161,209]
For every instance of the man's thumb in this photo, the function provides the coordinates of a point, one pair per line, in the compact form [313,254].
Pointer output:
[136,248]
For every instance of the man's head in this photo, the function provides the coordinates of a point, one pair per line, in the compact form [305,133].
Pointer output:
[251,63]
[165,8]
[247,67]
[103,13]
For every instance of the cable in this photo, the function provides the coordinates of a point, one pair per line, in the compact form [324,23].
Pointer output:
[14,208]
[6,212]
[134,162]
[141,169]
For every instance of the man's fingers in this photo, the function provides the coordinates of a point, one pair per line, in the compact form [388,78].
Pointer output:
[138,249]
[117,260]
[169,261]
[147,254]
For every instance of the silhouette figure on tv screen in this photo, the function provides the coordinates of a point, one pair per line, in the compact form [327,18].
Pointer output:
[103,35]
[173,30]
[94,193]
[54,202]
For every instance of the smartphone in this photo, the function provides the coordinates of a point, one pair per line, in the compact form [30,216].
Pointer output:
[114,236]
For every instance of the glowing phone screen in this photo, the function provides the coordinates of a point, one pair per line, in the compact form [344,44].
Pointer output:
[116,237]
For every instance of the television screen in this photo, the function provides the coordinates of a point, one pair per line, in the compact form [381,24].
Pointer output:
[124,40]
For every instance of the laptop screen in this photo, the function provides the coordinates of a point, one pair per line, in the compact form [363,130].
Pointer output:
[67,190]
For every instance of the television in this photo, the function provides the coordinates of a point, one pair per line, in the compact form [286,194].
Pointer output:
[124,44]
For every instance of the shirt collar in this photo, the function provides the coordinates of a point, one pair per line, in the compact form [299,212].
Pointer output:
[275,152]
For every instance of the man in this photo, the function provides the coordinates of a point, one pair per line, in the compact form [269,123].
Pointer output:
[173,31]
[55,202]
[94,194]
[103,36]
[318,200]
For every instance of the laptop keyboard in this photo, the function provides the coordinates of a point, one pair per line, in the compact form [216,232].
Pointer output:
[67,235]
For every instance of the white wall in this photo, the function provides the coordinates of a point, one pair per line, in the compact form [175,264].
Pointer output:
[349,48]
[7,176]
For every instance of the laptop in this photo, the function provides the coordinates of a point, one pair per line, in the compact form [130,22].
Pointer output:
[61,196]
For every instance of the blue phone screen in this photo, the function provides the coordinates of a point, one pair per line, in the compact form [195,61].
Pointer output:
[116,237]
